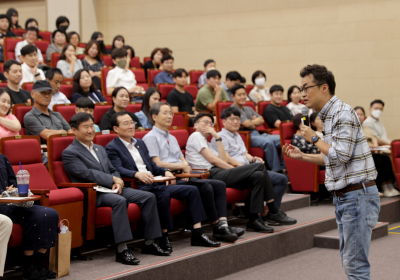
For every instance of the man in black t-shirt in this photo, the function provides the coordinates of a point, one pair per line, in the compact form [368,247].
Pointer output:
[4,32]
[13,73]
[179,99]
[275,113]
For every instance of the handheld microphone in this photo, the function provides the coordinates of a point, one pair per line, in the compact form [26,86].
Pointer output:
[305,120]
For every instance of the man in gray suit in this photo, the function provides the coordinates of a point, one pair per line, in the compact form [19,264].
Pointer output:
[86,162]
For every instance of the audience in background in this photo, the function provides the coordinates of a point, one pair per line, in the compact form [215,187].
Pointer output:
[92,61]
[55,78]
[86,105]
[298,140]
[12,15]
[13,73]
[259,92]
[117,43]
[69,64]
[9,124]
[155,62]
[166,51]
[62,23]
[129,50]
[243,81]
[375,124]
[74,39]
[59,39]
[167,64]
[83,86]
[120,101]
[209,64]
[4,32]
[30,38]
[211,93]
[32,22]
[98,36]
[294,98]
[151,97]
[275,113]
[316,125]
[30,70]
[232,78]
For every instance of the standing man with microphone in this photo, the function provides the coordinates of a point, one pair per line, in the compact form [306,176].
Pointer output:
[350,169]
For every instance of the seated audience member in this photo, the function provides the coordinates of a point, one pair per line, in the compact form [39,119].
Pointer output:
[259,92]
[243,81]
[121,76]
[74,39]
[39,228]
[85,162]
[155,62]
[249,120]
[40,120]
[299,141]
[83,86]
[375,124]
[232,78]
[151,97]
[383,164]
[117,43]
[131,158]
[4,32]
[12,15]
[211,93]
[120,100]
[59,39]
[316,124]
[167,64]
[6,226]
[130,51]
[166,51]
[93,62]
[62,23]
[30,70]
[30,38]
[236,149]
[13,73]
[69,64]
[98,36]
[294,98]
[55,78]
[201,155]
[9,124]
[275,113]
[165,152]
[2,77]
[86,105]
[31,22]
[209,64]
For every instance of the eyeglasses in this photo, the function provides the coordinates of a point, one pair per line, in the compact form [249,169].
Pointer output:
[168,113]
[129,123]
[304,89]
[207,123]
[232,119]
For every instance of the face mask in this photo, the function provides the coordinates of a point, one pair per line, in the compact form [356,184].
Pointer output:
[63,27]
[260,81]
[376,114]
[121,63]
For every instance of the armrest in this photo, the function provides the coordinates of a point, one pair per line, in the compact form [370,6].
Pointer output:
[39,192]
[137,95]
[206,170]
[77,185]
[189,175]
[126,179]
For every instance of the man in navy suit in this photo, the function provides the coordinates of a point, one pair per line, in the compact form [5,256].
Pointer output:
[131,158]
[86,162]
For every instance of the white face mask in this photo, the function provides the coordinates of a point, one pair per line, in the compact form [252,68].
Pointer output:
[376,114]
[260,81]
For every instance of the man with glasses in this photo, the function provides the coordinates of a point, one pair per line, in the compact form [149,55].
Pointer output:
[130,157]
[164,150]
[350,170]
[275,113]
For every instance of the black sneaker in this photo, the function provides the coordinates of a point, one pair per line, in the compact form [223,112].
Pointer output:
[256,225]
[32,273]
[280,218]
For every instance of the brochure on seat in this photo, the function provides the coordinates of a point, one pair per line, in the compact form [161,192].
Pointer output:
[105,190]
[161,178]
[381,148]
[14,198]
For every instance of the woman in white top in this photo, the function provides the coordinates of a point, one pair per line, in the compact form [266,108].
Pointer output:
[259,92]
[294,98]
[69,64]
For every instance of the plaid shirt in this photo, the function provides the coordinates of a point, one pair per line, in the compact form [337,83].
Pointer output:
[349,159]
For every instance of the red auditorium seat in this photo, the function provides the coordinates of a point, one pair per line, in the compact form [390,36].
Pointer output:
[19,110]
[135,62]
[46,35]
[67,202]
[180,121]
[134,107]
[66,87]
[249,88]
[107,60]
[192,89]
[108,47]
[66,110]
[303,176]
[139,76]
[99,111]
[194,76]
[3,85]
[145,59]
[181,135]
[395,150]
[2,67]
[260,110]
[165,89]
[42,45]
[9,47]
[18,32]
[151,74]
[82,45]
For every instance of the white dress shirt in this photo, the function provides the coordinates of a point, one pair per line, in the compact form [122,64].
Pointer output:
[58,98]
[22,44]
[27,75]
[119,77]
[135,155]
[91,150]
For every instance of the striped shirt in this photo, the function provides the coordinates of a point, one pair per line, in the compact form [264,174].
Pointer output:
[349,159]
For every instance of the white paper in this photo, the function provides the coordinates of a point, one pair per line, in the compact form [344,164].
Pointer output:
[105,190]
[14,198]
[161,178]
[381,148]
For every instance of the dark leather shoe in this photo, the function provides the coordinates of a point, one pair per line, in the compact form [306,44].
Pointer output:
[258,226]
[164,244]
[154,249]
[126,257]
[223,233]
[204,241]
[237,230]
[266,222]
[280,218]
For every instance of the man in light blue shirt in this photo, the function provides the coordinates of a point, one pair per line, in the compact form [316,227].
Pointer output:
[167,64]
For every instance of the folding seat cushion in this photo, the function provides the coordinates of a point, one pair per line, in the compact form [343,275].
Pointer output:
[195,75]
[193,90]
[66,110]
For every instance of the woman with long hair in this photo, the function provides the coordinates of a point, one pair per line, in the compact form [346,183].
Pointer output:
[83,86]
[151,97]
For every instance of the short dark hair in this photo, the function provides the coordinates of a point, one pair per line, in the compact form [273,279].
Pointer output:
[256,74]
[33,29]
[79,118]
[3,16]
[313,116]
[359,108]
[179,72]
[7,65]
[208,61]
[213,74]
[153,53]
[377,101]
[28,49]
[242,80]
[2,90]
[29,20]
[60,20]
[70,34]
[119,53]
[66,46]
[290,91]
[51,72]
[76,87]
[200,115]
[275,88]
[321,76]
[57,31]
[155,109]
[236,87]
[227,112]
[84,102]
[297,121]
[114,118]
[89,45]
[233,76]
[166,57]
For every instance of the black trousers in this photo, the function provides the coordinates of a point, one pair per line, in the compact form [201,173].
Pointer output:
[384,168]
[213,196]
[254,176]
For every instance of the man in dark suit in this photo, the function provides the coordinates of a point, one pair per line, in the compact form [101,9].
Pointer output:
[86,162]
[131,158]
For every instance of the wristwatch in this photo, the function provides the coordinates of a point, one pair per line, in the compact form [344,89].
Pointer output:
[167,169]
[314,139]
[37,74]
[219,139]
